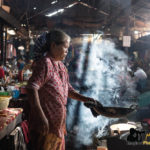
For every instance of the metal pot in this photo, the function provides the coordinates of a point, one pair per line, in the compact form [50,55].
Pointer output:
[113,112]
[120,128]
[116,112]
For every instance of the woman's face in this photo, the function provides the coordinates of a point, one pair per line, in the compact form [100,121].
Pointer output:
[59,52]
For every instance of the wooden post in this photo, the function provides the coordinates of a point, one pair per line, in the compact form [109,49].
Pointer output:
[5,48]
[1,3]
[1,41]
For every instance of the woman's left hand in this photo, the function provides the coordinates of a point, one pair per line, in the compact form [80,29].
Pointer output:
[92,102]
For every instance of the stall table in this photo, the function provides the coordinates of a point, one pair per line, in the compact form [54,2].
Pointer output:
[9,118]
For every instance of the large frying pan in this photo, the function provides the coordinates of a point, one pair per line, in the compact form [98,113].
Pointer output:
[113,112]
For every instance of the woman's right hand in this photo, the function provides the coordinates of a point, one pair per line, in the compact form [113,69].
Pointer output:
[38,120]
[43,126]
[39,124]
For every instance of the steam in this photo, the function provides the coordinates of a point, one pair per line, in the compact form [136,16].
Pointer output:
[109,83]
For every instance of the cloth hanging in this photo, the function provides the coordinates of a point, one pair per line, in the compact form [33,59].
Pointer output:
[24,126]
[18,142]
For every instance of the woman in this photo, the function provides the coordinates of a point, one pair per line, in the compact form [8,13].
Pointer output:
[48,90]
[2,72]
[20,69]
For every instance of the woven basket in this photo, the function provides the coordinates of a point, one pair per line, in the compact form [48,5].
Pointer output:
[4,102]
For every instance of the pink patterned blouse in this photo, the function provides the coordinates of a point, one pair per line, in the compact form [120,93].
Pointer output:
[53,85]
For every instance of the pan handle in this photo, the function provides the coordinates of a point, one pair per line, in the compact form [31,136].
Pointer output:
[133,106]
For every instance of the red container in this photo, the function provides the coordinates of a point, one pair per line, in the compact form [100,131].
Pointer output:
[23,90]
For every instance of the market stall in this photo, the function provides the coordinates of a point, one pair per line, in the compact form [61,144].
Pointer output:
[9,119]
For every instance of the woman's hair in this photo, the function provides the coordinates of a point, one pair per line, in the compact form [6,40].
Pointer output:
[44,42]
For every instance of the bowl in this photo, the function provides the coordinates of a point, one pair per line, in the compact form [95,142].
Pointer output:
[4,102]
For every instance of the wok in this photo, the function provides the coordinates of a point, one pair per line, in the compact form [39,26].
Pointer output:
[113,112]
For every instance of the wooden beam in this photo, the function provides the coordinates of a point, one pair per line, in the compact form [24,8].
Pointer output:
[13,22]
[52,8]
[81,23]
[119,15]
[91,7]
[1,40]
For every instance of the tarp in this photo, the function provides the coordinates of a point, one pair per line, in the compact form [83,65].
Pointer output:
[144,99]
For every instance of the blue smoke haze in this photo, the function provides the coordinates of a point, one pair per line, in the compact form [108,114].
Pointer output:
[106,76]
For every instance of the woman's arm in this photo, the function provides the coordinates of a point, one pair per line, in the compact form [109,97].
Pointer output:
[36,112]
[75,95]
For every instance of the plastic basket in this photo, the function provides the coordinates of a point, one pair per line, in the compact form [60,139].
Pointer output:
[4,102]
[5,94]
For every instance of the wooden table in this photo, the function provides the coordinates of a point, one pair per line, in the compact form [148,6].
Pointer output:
[9,118]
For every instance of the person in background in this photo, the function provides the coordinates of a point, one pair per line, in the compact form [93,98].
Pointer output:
[20,69]
[8,73]
[48,90]
[28,66]
[2,72]
[140,78]
[27,70]
[133,136]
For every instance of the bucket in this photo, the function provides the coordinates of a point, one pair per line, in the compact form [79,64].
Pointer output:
[23,90]
[15,93]
[102,148]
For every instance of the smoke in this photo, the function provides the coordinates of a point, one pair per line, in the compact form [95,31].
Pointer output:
[108,82]
[82,57]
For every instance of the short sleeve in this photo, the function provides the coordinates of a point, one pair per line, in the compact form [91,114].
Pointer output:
[70,88]
[39,75]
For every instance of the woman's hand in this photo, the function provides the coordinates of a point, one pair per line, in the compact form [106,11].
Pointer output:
[41,126]
[39,122]
[98,104]
[92,103]
[90,100]
[44,126]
